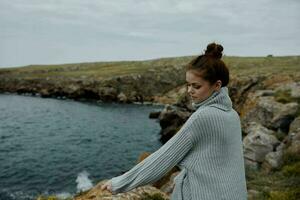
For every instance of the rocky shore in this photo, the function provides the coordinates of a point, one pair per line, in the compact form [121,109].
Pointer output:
[268,105]
[269,108]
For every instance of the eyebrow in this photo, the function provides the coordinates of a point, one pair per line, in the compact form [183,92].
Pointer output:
[193,82]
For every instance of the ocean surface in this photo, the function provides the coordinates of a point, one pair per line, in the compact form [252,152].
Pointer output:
[50,146]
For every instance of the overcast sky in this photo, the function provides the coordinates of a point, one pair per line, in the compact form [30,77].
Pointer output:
[71,31]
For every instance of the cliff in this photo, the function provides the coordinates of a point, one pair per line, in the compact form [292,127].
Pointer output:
[265,92]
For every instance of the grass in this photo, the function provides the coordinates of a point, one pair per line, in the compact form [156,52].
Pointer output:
[275,185]
[280,184]
[239,66]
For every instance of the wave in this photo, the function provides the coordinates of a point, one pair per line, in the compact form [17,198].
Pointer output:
[83,182]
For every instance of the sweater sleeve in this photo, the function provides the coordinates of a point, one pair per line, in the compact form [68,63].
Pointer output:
[157,164]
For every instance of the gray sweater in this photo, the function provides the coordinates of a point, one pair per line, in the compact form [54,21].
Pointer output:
[209,151]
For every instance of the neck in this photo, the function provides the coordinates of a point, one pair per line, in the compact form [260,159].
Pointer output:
[219,99]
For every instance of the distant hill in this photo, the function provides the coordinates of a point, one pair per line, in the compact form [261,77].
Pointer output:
[99,70]
[158,80]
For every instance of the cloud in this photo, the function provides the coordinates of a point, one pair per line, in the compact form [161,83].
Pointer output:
[148,28]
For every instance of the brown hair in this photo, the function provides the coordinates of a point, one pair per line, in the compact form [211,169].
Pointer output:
[210,66]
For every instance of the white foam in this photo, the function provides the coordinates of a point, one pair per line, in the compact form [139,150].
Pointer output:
[83,181]
[63,195]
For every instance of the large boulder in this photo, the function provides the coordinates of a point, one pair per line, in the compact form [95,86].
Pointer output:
[273,160]
[258,142]
[267,111]
[171,118]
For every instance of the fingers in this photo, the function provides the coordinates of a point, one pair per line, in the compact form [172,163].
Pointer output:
[106,186]
[102,187]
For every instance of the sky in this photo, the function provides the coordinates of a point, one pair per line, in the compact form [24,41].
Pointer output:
[74,31]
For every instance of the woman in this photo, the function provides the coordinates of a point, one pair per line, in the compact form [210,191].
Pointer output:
[207,148]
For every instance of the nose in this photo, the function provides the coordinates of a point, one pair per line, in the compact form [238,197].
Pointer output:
[190,90]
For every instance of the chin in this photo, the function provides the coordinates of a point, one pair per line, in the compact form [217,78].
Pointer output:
[196,101]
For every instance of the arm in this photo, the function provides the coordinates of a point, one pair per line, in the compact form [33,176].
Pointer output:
[158,163]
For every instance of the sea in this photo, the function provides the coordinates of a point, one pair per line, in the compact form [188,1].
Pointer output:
[61,147]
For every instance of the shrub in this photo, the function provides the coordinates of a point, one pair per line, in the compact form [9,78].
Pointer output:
[291,170]
[289,194]
[155,196]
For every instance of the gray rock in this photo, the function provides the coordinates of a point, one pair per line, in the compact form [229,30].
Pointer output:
[292,87]
[254,127]
[271,114]
[253,194]
[258,143]
[107,93]
[122,97]
[263,93]
[295,126]
[273,160]
[171,119]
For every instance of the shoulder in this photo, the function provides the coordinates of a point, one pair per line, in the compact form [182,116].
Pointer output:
[200,116]
[204,113]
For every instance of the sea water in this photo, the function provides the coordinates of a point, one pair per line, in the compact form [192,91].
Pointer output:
[50,146]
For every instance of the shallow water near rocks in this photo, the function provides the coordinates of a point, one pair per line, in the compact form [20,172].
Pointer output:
[50,146]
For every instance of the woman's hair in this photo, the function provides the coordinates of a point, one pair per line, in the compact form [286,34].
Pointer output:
[209,65]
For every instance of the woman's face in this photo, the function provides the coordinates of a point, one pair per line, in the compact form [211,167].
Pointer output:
[198,88]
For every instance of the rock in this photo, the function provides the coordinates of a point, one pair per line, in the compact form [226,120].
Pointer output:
[292,87]
[239,88]
[170,120]
[134,96]
[295,126]
[169,186]
[122,97]
[154,115]
[258,143]
[44,93]
[273,160]
[138,193]
[294,143]
[254,127]
[107,93]
[270,113]
[253,194]
[251,164]
[264,93]
[285,116]
[293,138]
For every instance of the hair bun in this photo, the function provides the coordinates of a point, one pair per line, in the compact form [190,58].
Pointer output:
[214,50]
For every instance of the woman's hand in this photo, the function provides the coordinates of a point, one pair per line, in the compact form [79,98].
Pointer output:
[107,186]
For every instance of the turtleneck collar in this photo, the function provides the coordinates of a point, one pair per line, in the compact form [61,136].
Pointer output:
[219,99]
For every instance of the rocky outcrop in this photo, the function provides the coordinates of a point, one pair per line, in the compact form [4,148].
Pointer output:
[266,119]
[171,119]
[258,142]
[149,86]
[139,193]
[270,113]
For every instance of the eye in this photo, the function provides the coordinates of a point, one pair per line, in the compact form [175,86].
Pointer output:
[197,86]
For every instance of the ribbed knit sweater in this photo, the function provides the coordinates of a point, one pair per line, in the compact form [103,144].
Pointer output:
[209,151]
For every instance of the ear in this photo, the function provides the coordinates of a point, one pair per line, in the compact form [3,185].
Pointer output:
[218,85]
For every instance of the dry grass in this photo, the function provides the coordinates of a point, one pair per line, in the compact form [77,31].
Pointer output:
[239,66]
